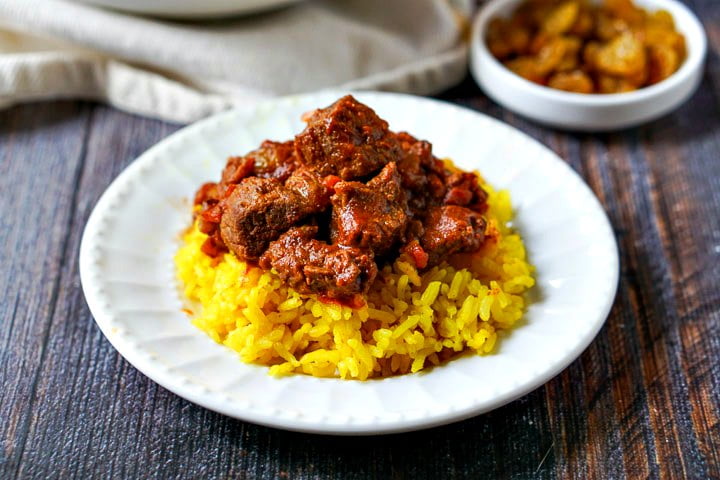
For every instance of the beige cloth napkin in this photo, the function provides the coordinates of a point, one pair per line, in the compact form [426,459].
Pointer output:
[182,71]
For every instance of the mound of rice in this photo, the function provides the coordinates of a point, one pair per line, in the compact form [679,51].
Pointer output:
[411,320]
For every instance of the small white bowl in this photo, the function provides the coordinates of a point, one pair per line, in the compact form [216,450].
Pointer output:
[588,112]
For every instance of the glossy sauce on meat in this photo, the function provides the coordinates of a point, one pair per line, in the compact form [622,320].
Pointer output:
[323,210]
[311,265]
[259,210]
[370,216]
[346,139]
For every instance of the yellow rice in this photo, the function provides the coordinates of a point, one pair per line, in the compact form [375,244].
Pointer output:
[411,320]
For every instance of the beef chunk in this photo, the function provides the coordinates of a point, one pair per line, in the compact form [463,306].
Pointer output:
[275,159]
[256,212]
[422,174]
[347,139]
[451,229]
[372,216]
[463,189]
[271,160]
[235,170]
[207,194]
[415,154]
[313,266]
[260,209]
[312,188]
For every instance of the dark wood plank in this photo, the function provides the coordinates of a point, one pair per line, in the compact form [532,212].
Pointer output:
[41,151]
[79,377]
[643,401]
[689,230]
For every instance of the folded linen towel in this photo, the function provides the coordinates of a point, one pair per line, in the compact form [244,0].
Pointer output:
[182,71]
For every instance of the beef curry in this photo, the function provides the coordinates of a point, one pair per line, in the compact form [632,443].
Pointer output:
[346,195]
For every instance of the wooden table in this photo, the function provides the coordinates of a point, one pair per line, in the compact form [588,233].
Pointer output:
[642,401]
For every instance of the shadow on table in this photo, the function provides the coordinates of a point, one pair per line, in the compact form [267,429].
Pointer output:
[513,441]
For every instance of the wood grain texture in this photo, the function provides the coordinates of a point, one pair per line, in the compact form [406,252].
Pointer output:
[643,401]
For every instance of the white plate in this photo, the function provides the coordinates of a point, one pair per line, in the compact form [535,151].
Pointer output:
[189,9]
[128,277]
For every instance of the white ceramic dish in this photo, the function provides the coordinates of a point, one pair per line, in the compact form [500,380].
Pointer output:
[191,9]
[128,276]
[593,112]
